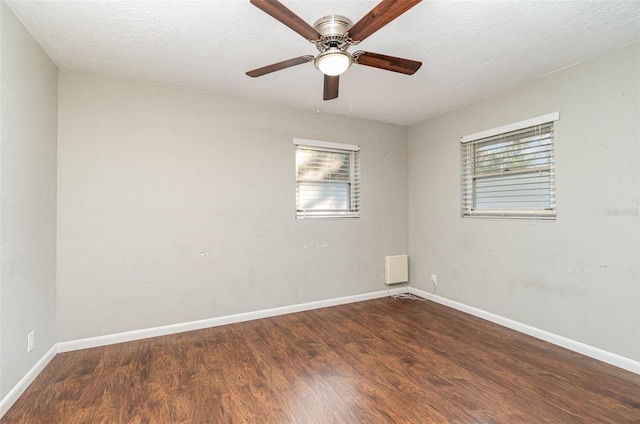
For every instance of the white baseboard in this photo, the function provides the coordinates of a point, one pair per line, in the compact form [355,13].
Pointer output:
[584,349]
[214,322]
[17,391]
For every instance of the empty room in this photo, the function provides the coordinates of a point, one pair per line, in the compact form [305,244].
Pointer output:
[260,211]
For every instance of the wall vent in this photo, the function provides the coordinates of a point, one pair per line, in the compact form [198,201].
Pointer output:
[396,269]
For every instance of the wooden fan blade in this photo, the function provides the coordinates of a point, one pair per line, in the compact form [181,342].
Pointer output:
[385,12]
[287,17]
[388,63]
[279,66]
[331,84]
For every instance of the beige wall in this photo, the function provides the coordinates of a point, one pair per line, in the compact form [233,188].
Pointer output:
[578,276]
[28,204]
[177,205]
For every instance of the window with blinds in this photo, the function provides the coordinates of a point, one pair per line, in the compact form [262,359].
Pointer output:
[508,172]
[327,180]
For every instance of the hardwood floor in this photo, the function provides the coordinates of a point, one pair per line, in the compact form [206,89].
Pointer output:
[380,361]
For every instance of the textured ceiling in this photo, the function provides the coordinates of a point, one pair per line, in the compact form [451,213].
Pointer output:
[469,49]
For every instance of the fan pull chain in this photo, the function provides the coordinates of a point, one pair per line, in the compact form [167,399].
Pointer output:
[350,95]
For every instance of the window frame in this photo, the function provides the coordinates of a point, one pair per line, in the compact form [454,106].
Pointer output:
[353,182]
[545,173]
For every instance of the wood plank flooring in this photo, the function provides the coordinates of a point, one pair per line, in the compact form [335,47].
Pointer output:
[380,361]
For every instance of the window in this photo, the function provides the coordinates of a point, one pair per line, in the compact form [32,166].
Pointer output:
[327,179]
[508,172]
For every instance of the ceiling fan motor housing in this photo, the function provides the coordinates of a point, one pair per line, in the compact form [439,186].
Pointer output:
[332,29]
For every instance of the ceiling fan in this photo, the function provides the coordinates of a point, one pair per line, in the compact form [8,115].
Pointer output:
[333,35]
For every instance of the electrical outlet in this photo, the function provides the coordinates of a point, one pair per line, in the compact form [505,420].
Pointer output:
[434,279]
[31,341]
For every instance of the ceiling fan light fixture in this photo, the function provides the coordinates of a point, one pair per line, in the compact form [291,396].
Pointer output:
[333,61]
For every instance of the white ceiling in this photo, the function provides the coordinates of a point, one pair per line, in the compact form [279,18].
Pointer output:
[469,49]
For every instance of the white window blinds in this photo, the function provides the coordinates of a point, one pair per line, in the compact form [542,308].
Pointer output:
[510,174]
[327,180]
